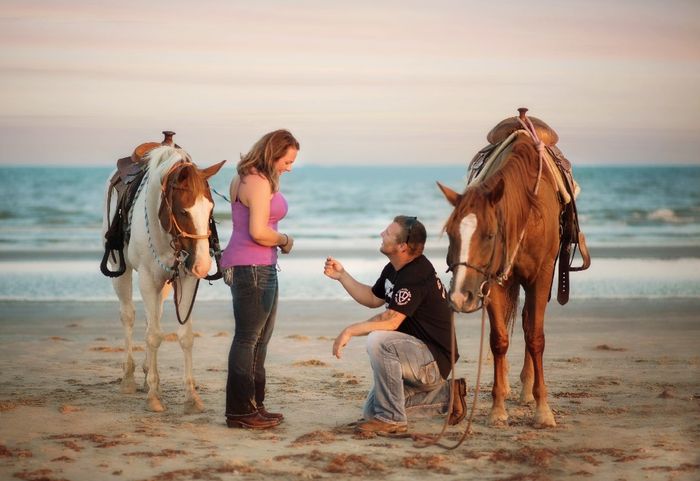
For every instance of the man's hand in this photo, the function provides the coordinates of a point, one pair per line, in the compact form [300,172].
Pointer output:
[340,342]
[333,268]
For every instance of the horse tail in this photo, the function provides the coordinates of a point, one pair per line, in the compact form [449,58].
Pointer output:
[512,297]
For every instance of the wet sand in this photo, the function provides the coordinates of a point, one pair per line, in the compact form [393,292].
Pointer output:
[623,379]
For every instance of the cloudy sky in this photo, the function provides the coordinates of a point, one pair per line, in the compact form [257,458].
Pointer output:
[358,82]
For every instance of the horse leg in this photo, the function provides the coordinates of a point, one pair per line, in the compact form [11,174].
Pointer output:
[506,382]
[164,293]
[122,287]
[193,403]
[498,338]
[527,380]
[533,324]
[153,305]
[527,375]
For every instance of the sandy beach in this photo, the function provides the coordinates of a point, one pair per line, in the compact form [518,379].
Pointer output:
[623,378]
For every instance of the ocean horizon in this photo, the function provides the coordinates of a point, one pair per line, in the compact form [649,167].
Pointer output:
[642,224]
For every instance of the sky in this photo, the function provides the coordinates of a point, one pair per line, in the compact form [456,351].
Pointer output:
[358,82]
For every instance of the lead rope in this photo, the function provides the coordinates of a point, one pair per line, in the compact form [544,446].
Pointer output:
[422,440]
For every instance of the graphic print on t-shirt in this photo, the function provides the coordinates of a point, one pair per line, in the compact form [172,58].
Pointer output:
[388,290]
[403,297]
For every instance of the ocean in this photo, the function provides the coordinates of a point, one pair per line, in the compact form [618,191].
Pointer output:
[642,226]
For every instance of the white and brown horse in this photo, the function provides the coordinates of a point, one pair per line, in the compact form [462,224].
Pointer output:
[170,232]
[504,235]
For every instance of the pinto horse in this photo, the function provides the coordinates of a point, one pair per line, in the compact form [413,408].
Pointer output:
[169,244]
[504,234]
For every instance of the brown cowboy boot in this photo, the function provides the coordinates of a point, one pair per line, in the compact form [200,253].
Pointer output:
[251,421]
[380,427]
[267,414]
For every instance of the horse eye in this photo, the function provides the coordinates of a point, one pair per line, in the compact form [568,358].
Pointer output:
[183,212]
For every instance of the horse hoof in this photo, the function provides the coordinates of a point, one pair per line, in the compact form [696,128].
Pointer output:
[128,387]
[526,399]
[194,406]
[498,418]
[155,405]
[545,420]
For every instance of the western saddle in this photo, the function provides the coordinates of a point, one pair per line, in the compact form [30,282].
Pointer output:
[125,182]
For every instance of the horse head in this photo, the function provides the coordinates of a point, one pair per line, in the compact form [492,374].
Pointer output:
[475,254]
[185,212]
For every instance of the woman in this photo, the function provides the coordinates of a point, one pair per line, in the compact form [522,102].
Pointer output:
[257,206]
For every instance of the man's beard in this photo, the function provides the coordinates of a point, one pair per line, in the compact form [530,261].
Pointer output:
[387,251]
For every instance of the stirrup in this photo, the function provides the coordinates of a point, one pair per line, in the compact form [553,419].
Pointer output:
[122,265]
[585,255]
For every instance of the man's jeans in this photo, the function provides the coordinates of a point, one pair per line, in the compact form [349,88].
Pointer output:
[254,290]
[406,378]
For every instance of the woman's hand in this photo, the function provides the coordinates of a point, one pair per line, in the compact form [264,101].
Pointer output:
[286,248]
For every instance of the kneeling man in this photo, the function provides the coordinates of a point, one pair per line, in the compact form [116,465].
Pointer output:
[409,343]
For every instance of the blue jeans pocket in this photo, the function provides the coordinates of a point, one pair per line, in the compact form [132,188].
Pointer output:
[429,374]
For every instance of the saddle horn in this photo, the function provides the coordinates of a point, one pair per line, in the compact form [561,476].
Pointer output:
[168,138]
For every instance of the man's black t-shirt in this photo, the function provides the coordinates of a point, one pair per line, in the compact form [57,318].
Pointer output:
[417,292]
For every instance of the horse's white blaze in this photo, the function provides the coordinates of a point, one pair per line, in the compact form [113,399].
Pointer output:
[199,212]
[466,230]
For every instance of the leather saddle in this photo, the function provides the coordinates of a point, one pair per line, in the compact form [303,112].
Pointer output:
[125,182]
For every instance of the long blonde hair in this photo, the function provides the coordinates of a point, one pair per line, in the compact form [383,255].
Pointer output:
[262,157]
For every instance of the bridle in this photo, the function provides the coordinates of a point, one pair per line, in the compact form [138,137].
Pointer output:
[489,277]
[177,233]
[167,186]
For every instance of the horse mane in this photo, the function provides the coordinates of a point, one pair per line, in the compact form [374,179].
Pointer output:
[519,169]
[519,176]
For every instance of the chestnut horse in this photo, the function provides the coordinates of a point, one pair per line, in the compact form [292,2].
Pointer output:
[169,241]
[504,234]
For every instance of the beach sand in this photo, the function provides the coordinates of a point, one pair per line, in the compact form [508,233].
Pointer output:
[623,379]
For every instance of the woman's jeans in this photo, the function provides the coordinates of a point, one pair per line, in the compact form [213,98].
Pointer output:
[406,377]
[254,291]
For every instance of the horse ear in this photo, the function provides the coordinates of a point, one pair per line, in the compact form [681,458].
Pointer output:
[211,171]
[451,196]
[496,193]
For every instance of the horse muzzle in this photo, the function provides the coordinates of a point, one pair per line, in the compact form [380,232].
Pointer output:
[466,303]
[200,268]
[198,264]
[470,300]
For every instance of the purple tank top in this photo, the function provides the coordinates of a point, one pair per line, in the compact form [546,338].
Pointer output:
[242,250]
